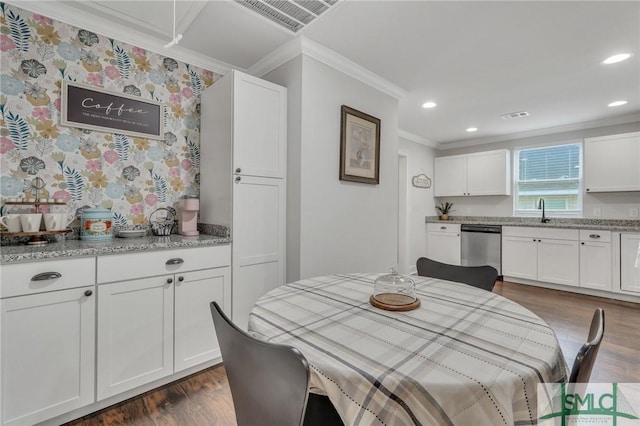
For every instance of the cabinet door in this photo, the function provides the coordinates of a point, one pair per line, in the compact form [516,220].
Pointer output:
[450,176]
[48,354]
[629,274]
[195,337]
[259,123]
[520,257]
[605,154]
[558,261]
[135,333]
[595,265]
[488,173]
[444,247]
[258,242]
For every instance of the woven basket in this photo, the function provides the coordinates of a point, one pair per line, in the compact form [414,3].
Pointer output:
[162,221]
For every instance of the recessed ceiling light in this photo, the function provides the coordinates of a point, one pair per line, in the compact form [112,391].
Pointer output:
[429,104]
[616,58]
[472,129]
[617,103]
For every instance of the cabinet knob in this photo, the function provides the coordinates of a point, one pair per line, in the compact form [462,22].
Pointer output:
[238,178]
[174,261]
[88,293]
[582,243]
[443,227]
[180,278]
[238,170]
[594,236]
[169,280]
[45,276]
[587,189]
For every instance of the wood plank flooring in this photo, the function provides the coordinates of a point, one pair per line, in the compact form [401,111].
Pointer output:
[203,399]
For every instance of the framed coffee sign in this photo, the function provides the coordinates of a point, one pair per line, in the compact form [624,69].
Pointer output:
[93,108]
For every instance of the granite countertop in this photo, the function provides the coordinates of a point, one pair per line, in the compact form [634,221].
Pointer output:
[78,248]
[565,223]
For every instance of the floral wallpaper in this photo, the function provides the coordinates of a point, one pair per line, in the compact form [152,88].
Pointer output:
[130,175]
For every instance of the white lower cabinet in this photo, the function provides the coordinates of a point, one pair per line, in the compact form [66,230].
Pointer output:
[195,338]
[150,328]
[519,256]
[548,255]
[443,243]
[629,273]
[135,334]
[595,260]
[47,347]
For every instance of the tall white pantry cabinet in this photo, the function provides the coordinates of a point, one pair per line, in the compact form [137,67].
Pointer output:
[242,181]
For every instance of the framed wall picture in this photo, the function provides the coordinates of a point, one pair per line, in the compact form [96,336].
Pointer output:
[94,108]
[359,147]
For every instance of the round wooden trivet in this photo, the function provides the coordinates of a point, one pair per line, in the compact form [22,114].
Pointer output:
[394,302]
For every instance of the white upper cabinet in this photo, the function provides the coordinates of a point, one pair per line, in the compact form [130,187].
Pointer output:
[611,163]
[259,127]
[450,176]
[481,173]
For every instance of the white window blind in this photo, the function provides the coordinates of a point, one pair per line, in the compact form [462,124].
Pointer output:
[553,173]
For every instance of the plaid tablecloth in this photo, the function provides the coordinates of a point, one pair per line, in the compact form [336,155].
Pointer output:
[465,357]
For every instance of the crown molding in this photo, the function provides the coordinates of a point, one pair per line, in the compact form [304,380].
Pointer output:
[302,45]
[612,121]
[412,137]
[65,12]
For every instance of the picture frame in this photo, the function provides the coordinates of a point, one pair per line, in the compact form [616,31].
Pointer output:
[93,108]
[359,146]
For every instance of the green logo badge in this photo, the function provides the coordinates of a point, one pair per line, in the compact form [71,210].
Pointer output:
[578,403]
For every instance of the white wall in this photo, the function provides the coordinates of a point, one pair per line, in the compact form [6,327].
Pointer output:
[343,226]
[420,200]
[611,205]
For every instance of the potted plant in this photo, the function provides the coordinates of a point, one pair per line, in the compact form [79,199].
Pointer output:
[444,208]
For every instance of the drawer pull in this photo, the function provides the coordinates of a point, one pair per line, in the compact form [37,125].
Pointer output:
[443,227]
[180,278]
[174,261]
[88,293]
[169,280]
[45,276]
[238,170]
[594,236]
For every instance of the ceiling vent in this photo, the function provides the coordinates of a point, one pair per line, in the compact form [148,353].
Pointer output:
[518,114]
[293,15]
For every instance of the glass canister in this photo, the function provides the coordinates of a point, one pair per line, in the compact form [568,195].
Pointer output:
[96,224]
[394,291]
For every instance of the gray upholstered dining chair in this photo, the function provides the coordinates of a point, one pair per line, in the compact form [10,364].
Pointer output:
[269,382]
[586,357]
[477,276]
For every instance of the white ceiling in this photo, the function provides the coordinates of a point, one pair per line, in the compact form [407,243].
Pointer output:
[476,59]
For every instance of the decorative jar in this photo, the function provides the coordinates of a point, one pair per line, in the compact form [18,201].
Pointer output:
[96,224]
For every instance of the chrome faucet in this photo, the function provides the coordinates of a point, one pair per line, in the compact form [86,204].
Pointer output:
[541,207]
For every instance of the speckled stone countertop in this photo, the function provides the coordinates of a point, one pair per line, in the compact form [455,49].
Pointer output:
[78,248]
[566,223]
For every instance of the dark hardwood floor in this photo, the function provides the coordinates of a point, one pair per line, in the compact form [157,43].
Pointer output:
[204,398]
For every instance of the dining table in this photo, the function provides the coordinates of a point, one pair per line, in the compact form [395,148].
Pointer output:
[465,356]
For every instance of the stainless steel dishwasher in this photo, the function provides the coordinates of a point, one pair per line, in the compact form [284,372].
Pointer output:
[481,245]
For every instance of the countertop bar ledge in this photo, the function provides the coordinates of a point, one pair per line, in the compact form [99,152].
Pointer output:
[566,223]
[79,248]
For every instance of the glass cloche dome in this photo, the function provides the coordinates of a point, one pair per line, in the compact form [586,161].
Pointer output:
[393,291]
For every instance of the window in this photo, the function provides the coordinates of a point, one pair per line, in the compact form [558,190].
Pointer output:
[553,173]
